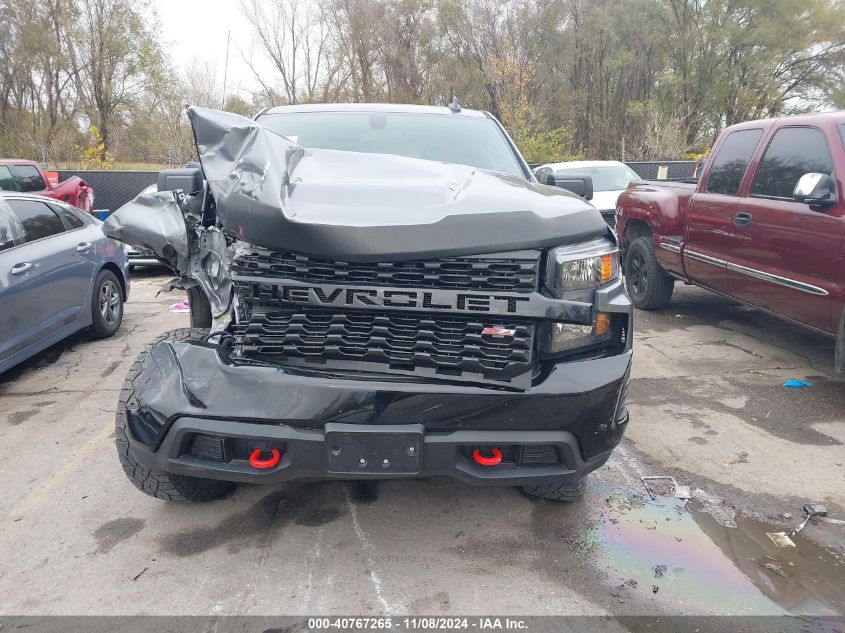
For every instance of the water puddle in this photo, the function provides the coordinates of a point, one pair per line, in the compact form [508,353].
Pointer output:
[677,552]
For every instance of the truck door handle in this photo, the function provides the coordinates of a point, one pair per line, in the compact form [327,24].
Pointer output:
[83,247]
[20,269]
[742,219]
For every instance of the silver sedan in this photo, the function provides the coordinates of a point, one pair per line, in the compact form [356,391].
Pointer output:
[58,274]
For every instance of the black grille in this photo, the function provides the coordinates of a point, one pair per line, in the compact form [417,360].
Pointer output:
[609,216]
[206,447]
[422,344]
[517,271]
[537,455]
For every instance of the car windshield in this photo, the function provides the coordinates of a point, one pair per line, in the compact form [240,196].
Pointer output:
[477,142]
[605,177]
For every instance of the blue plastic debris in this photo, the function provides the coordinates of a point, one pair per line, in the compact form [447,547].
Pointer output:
[797,384]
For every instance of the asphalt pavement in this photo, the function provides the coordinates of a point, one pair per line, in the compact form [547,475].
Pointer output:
[707,407]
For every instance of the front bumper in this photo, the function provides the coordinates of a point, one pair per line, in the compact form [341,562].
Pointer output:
[189,392]
[304,454]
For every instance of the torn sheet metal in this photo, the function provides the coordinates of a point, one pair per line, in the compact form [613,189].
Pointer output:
[352,206]
[153,220]
[161,222]
[210,267]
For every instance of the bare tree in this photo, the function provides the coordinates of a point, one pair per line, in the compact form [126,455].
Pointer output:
[200,85]
[115,51]
[567,77]
[294,37]
[407,49]
[475,34]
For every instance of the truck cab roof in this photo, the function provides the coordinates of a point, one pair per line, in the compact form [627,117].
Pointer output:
[836,117]
[17,161]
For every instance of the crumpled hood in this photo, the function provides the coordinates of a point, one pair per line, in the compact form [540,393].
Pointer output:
[334,205]
[353,206]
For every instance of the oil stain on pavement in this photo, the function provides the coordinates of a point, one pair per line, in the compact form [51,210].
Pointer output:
[300,504]
[18,417]
[671,550]
[114,532]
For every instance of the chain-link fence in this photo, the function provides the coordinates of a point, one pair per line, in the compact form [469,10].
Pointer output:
[663,170]
[113,188]
[656,169]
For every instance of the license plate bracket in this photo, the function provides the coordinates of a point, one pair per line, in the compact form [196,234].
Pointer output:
[372,449]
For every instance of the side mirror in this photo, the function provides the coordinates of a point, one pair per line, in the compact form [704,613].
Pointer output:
[188,179]
[542,174]
[815,189]
[579,184]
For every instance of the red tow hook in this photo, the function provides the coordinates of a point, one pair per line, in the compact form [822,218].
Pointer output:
[256,462]
[492,460]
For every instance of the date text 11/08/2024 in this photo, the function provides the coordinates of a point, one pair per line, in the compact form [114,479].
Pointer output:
[417,623]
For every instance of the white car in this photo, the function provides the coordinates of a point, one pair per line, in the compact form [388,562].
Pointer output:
[610,178]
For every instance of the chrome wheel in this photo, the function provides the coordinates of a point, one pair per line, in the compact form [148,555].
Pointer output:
[109,302]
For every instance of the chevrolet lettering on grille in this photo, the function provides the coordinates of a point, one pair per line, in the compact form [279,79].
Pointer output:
[262,290]
[411,299]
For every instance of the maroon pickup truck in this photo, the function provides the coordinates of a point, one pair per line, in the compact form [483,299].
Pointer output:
[27,176]
[764,225]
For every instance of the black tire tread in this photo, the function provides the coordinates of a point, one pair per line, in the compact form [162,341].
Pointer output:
[161,485]
[558,490]
[660,286]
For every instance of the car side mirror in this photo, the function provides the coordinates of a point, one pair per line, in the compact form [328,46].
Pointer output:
[814,189]
[581,185]
[188,179]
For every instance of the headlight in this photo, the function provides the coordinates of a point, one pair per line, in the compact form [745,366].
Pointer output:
[563,337]
[581,267]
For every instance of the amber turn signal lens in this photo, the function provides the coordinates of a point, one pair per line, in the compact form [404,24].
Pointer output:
[606,271]
[602,323]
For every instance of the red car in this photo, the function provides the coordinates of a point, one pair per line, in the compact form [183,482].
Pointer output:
[28,177]
[764,225]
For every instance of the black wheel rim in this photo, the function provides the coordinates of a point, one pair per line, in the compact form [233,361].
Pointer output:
[637,274]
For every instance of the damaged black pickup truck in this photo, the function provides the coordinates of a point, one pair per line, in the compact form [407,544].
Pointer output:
[376,292]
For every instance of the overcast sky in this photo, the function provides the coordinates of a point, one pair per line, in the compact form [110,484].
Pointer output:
[198,28]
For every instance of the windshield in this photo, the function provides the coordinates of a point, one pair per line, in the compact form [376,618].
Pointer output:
[477,142]
[605,178]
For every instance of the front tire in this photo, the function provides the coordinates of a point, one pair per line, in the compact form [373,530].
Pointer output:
[558,490]
[106,305]
[155,483]
[648,285]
